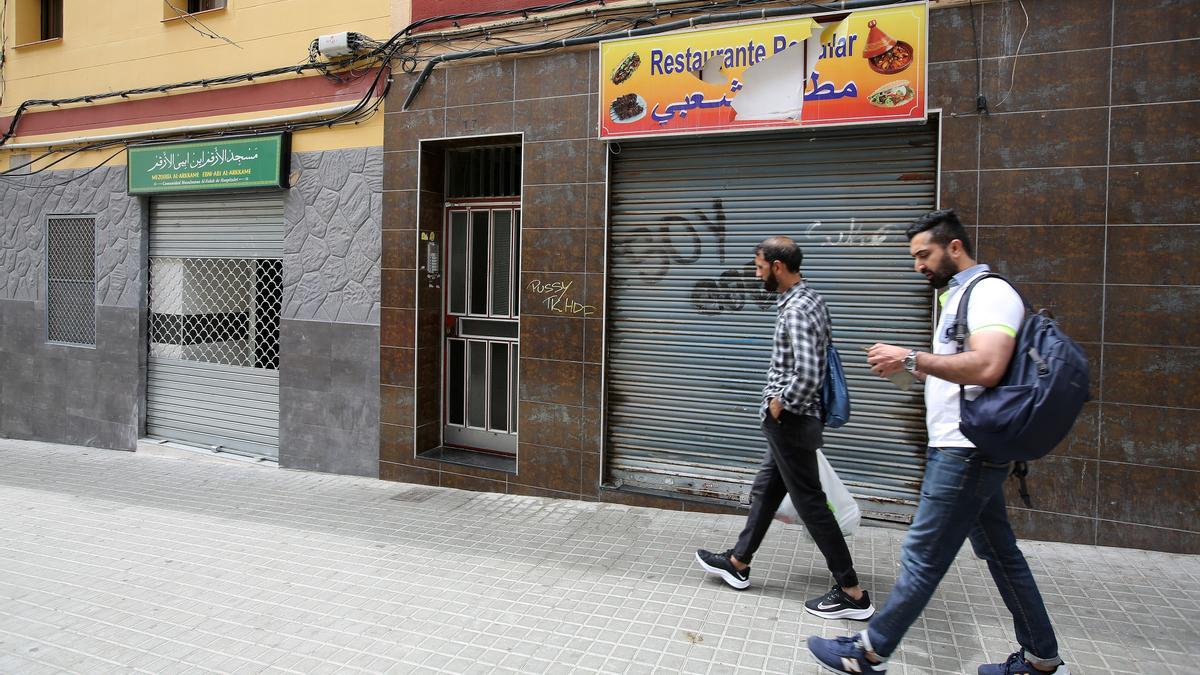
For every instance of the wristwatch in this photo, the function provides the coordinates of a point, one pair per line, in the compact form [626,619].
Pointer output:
[910,361]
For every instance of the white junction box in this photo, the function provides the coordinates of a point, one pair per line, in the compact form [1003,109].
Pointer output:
[337,44]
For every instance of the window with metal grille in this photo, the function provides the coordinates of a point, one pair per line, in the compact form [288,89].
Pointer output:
[216,310]
[493,171]
[71,280]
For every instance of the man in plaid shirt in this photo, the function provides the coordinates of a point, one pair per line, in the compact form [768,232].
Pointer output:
[791,421]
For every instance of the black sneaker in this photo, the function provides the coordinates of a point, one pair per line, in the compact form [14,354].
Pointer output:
[718,564]
[837,605]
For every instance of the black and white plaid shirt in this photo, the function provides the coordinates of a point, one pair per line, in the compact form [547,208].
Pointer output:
[798,359]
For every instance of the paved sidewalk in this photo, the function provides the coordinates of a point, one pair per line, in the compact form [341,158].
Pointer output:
[161,562]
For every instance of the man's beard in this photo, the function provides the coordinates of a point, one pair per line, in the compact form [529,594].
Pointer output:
[770,282]
[942,275]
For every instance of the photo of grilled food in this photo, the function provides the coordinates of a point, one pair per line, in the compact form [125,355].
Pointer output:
[625,68]
[627,108]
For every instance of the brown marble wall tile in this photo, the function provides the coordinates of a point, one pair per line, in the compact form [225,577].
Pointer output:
[549,119]
[1153,315]
[960,191]
[593,385]
[396,444]
[464,470]
[472,483]
[550,425]
[1134,493]
[431,95]
[1156,73]
[640,499]
[553,250]
[1042,197]
[1059,485]
[557,338]
[591,439]
[1045,254]
[952,86]
[552,206]
[1126,535]
[590,474]
[1044,139]
[1084,440]
[404,473]
[404,130]
[1159,376]
[545,381]
[1164,437]
[1053,26]
[950,33]
[400,172]
[1154,255]
[480,82]
[1154,21]
[1143,134]
[429,387]
[597,161]
[398,289]
[399,249]
[551,294]
[1047,81]
[692,506]
[397,327]
[546,467]
[396,405]
[593,340]
[429,436]
[1043,526]
[960,143]
[1074,305]
[595,251]
[555,162]
[554,74]
[481,119]
[1153,194]
[595,213]
[400,208]
[396,366]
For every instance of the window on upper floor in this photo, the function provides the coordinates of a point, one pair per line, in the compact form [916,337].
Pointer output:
[38,20]
[173,9]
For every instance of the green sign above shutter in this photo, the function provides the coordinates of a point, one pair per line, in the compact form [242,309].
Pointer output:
[256,162]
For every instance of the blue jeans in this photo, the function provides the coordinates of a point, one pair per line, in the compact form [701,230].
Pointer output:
[962,496]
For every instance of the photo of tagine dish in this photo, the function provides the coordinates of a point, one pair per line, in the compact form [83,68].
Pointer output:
[625,68]
[885,54]
[627,108]
[892,94]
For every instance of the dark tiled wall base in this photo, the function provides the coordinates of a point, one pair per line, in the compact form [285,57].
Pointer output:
[1081,192]
[65,394]
[329,397]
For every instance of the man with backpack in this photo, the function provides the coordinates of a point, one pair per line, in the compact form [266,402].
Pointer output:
[962,494]
[792,422]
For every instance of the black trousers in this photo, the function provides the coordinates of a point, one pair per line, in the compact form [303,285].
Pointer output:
[790,467]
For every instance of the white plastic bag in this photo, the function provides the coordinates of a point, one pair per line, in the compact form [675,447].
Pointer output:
[845,509]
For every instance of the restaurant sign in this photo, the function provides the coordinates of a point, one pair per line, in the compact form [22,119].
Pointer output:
[865,67]
[254,162]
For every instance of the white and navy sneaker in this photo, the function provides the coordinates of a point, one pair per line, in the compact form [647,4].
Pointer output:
[844,655]
[837,605]
[1017,665]
[718,564]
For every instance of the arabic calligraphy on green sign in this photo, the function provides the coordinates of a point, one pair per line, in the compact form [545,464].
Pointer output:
[209,165]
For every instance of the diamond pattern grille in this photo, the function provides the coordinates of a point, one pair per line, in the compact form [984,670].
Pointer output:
[216,310]
[71,280]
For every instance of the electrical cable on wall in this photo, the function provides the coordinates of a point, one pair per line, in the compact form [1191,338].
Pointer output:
[207,32]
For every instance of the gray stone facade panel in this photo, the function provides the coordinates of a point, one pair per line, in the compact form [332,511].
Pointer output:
[102,194]
[332,224]
[329,397]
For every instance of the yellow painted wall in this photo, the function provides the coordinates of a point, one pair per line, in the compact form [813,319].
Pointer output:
[111,45]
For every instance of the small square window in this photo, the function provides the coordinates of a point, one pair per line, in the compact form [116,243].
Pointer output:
[38,21]
[174,9]
[71,280]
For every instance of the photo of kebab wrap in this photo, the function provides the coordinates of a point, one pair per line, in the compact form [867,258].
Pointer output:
[892,94]
[625,68]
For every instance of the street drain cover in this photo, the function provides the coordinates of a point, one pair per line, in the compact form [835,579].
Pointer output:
[415,495]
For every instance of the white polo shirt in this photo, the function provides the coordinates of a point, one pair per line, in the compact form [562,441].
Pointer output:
[994,305]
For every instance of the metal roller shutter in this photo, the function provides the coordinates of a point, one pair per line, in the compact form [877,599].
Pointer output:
[690,327]
[215,301]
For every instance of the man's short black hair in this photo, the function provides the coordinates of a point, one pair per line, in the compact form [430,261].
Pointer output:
[943,227]
[782,249]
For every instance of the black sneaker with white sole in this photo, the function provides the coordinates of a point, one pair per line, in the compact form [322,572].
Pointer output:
[837,605]
[718,564]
